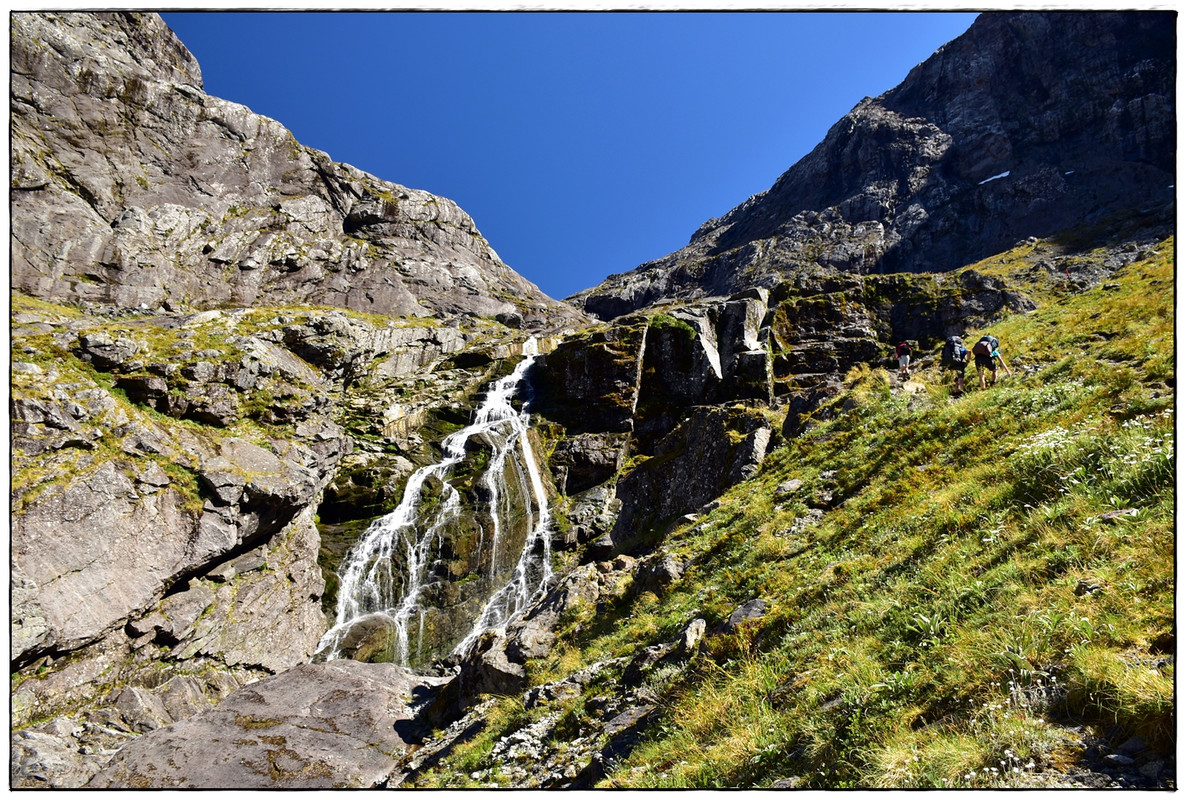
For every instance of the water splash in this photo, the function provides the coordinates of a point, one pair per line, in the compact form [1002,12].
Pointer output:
[372,589]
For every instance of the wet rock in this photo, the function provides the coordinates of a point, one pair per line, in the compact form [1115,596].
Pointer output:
[590,383]
[370,638]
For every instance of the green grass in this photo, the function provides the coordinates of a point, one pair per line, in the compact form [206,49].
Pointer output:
[960,603]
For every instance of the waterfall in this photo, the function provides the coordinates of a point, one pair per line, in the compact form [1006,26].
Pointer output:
[372,590]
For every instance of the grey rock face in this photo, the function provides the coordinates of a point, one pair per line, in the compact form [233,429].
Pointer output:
[1027,125]
[692,465]
[42,761]
[90,539]
[588,459]
[133,188]
[155,560]
[323,726]
[589,383]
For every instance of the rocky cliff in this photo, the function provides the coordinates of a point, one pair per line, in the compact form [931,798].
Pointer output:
[1026,125]
[184,396]
[132,187]
[768,561]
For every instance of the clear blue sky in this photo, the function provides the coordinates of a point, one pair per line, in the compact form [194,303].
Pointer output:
[582,144]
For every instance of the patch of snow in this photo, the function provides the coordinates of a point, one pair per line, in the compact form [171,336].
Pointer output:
[1004,174]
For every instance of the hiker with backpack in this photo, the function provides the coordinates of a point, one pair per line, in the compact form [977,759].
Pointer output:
[903,353]
[988,353]
[954,358]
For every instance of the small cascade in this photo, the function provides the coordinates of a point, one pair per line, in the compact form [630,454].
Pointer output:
[376,592]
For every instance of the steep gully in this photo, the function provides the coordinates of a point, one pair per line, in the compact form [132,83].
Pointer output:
[373,593]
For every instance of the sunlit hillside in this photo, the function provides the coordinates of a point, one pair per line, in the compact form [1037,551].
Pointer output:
[959,591]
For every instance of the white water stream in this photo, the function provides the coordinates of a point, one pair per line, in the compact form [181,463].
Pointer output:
[370,584]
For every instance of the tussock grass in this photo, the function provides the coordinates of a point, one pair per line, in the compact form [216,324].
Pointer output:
[962,604]
[964,593]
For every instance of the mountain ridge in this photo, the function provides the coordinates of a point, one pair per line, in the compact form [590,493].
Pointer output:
[945,169]
[774,561]
[135,189]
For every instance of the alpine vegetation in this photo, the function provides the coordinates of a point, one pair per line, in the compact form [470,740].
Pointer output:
[311,490]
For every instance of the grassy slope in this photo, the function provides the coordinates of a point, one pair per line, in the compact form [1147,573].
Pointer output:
[960,605]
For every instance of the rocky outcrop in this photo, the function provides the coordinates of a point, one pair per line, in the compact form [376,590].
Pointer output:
[589,383]
[317,726]
[133,188]
[649,386]
[1027,125]
[88,539]
[156,546]
[97,469]
[713,450]
[204,639]
[562,749]
[652,384]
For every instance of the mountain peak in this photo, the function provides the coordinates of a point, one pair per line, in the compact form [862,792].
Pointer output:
[1027,124]
[132,188]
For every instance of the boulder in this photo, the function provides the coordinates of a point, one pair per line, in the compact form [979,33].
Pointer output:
[746,612]
[657,572]
[371,638]
[316,726]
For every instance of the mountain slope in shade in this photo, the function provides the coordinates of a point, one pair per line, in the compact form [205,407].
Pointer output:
[1028,124]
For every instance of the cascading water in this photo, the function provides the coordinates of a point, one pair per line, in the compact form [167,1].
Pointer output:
[372,587]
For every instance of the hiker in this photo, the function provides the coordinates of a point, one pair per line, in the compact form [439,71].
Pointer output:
[988,354]
[955,359]
[903,353]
